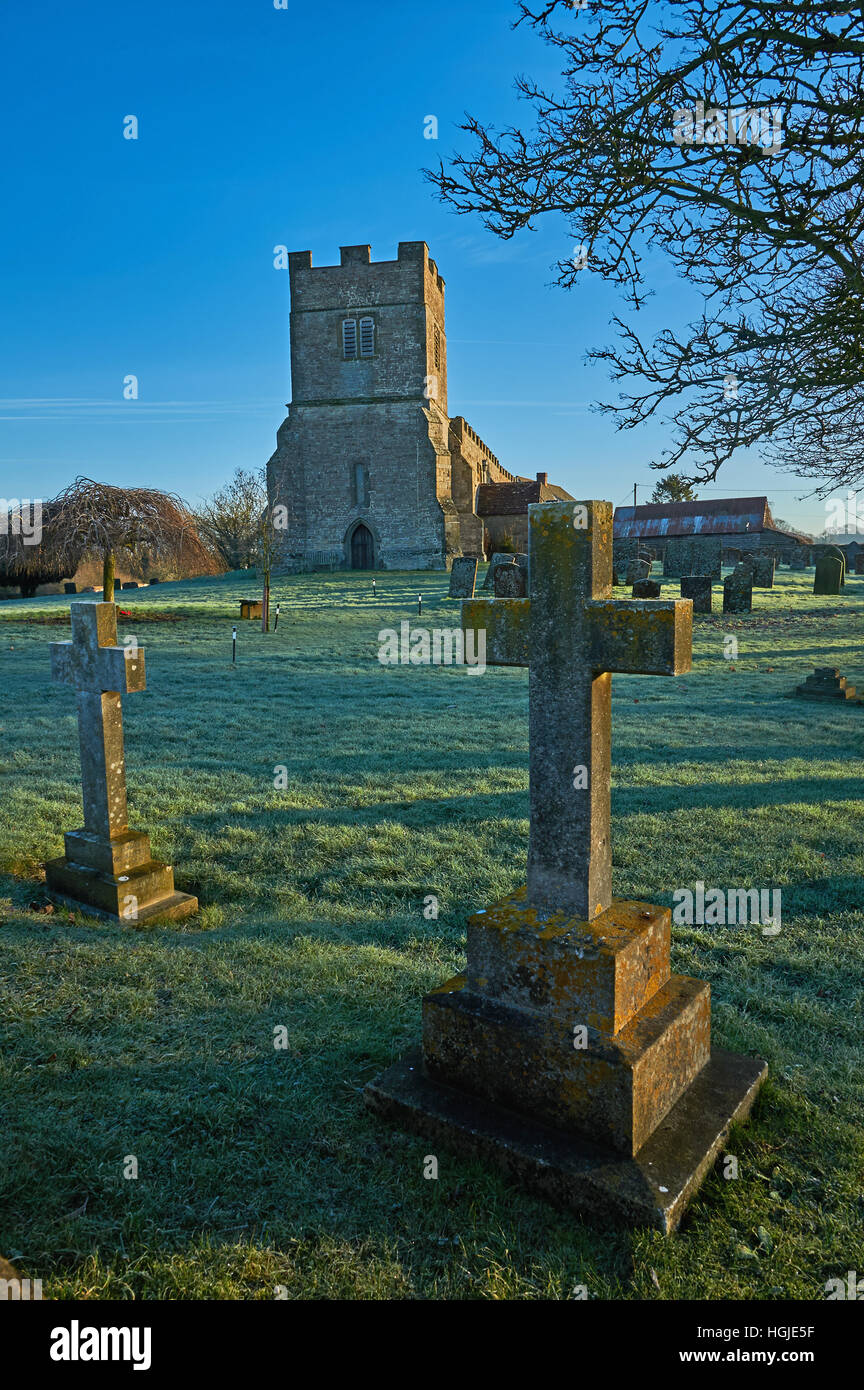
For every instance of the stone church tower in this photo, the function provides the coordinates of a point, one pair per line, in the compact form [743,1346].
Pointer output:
[371,471]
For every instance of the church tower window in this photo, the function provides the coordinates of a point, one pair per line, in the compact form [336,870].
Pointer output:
[367,337]
[349,337]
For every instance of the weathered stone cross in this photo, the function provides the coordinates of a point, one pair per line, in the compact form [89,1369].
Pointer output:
[107,866]
[100,671]
[572,635]
[567,1051]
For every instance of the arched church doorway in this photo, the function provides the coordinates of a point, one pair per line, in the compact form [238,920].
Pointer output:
[362,549]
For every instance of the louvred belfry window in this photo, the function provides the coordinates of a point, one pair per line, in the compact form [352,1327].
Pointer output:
[367,337]
[349,337]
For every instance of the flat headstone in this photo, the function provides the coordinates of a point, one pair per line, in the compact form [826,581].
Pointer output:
[624,1124]
[828,578]
[697,588]
[131,584]
[499,558]
[646,588]
[509,581]
[763,571]
[738,591]
[463,577]
[107,868]
[693,555]
[833,552]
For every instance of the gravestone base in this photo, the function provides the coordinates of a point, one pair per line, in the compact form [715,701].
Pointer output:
[826,683]
[651,1188]
[101,876]
[571,1054]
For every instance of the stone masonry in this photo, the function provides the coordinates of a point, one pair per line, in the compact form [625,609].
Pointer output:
[369,467]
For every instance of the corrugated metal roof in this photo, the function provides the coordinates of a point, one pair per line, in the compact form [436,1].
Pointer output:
[719,517]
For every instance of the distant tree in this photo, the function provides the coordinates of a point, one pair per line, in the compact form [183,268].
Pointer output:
[673,488]
[239,523]
[107,522]
[229,520]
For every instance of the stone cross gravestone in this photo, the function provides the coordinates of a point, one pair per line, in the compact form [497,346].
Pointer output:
[567,1052]
[107,868]
[697,587]
[463,577]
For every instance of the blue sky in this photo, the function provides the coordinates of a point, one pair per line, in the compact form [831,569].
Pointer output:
[260,127]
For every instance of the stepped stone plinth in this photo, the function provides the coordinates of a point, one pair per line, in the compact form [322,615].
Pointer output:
[827,684]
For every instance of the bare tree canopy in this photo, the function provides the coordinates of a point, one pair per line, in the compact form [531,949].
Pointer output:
[230,520]
[727,135]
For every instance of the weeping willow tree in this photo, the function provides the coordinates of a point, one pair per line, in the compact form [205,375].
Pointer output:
[28,555]
[108,523]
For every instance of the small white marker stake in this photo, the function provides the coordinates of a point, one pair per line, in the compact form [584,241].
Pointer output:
[419,605]
[276,624]
[234,644]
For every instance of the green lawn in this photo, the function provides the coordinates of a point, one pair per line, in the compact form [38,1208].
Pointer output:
[261,1168]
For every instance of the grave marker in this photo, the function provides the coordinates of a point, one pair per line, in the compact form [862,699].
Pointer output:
[107,868]
[498,558]
[463,577]
[626,1126]
[646,588]
[697,587]
[828,578]
[738,590]
[763,571]
[692,555]
[826,683]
